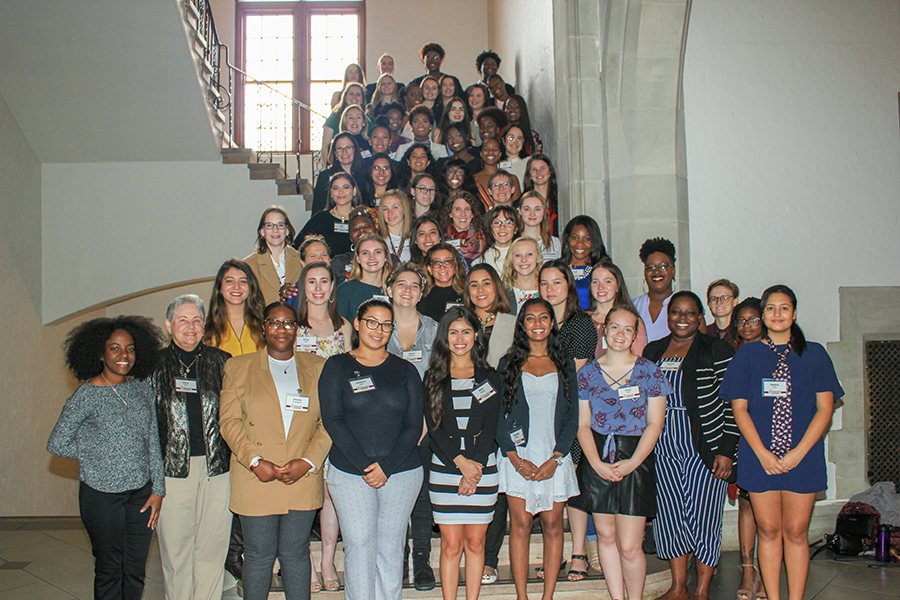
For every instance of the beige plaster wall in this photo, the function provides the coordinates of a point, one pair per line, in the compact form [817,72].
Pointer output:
[521,32]
[400,27]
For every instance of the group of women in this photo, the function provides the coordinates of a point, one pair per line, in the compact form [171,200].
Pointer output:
[407,357]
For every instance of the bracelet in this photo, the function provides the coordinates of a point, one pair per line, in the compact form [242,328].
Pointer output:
[521,464]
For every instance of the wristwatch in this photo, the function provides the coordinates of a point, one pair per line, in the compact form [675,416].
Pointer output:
[559,460]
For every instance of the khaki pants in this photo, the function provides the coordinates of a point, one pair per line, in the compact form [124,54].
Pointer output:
[194,527]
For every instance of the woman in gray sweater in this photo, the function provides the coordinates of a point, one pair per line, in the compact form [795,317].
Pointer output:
[109,426]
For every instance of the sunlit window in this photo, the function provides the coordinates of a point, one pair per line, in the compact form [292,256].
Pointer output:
[333,44]
[269,57]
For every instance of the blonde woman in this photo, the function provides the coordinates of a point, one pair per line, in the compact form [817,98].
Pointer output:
[386,92]
[394,223]
[520,272]
[368,273]
[352,74]
[536,223]
[353,121]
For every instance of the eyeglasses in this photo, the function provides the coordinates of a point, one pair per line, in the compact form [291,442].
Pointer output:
[455,171]
[278,324]
[504,185]
[372,325]
[344,149]
[751,320]
[425,190]
[720,299]
[271,226]
[442,263]
[515,138]
[660,267]
[499,223]
[383,169]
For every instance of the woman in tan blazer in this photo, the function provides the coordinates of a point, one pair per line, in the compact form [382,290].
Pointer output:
[269,415]
[275,260]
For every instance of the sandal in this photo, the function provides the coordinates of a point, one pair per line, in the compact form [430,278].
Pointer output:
[489,578]
[575,575]
[744,593]
[332,585]
[539,571]
[315,586]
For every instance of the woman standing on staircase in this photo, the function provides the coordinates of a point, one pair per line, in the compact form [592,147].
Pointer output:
[275,260]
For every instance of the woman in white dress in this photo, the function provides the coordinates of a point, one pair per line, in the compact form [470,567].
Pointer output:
[536,471]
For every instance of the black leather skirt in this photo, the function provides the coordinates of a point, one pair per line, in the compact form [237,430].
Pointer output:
[635,495]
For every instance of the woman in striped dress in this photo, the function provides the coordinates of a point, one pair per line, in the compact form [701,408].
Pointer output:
[462,408]
[696,449]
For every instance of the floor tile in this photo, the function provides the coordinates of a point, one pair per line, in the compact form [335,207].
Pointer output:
[15,578]
[37,591]
[77,538]
[859,577]
[54,523]
[838,592]
[18,539]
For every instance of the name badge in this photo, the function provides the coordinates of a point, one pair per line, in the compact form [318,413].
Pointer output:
[483,392]
[307,343]
[603,342]
[518,437]
[505,165]
[365,154]
[670,365]
[413,356]
[296,402]
[382,297]
[342,227]
[632,392]
[454,242]
[188,386]
[774,388]
[450,305]
[363,384]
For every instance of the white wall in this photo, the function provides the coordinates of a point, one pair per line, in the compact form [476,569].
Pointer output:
[793,148]
[401,27]
[111,230]
[521,32]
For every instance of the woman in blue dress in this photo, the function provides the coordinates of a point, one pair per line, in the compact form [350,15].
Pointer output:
[622,405]
[782,390]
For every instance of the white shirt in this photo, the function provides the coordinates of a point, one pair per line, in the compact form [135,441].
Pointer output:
[284,372]
[655,330]
[279,266]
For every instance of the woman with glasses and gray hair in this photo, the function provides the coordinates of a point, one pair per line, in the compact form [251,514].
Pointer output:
[275,260]
[194,523]
[278,451]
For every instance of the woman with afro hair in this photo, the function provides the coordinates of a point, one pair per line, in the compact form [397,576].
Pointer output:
[109,426]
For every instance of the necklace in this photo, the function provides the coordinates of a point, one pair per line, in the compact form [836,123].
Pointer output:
[186,369]
[580,273]
[115,391]
[487,319]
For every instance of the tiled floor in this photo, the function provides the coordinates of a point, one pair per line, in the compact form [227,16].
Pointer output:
[60,566]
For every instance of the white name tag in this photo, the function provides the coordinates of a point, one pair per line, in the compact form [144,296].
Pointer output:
[342,227]
[670,365]
[450,305]
[365,154]
[454,242]
[363,384]
[413,356]
[632,392]
[307,343]
[774,388]
[188,386]
[483,392]
[296,402]
[518,437]
[382,297]
[603,342]
[505,165]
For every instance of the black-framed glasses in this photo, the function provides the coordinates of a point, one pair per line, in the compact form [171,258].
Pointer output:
[425,190]
[501,223]
[280,324]
[751,320]
[372,325]
[720,299]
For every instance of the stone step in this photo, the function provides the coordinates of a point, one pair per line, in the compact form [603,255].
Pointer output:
[238,156]
[266,171]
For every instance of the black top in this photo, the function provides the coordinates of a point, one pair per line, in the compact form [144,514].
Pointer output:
[579,336]
[434,304]
[192,399]
[323,223]
[320,191]
[480,431]
[381,425]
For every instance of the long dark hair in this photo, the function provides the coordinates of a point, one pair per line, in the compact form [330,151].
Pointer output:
[798,340]
[290,232]
[404,171]
[217,315]
[415,253]
[598,249]
[524,122]
[357,165]
[520,349]
[572,305]
[552,187]
[437,377]
[303,307]
[363,310]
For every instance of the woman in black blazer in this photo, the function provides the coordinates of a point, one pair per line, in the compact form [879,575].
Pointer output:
[696,450]
[463,404]
[537,474]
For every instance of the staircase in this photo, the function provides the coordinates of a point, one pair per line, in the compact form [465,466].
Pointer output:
[217,78]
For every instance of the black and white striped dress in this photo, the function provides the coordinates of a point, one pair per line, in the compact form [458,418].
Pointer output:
[451,508]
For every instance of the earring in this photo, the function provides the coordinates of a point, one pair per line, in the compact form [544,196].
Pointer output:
[331,299]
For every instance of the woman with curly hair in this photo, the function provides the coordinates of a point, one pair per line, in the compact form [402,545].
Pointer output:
[658,256]
[536,473]
[416,160]
[234,319]
[275,260]
[462,407]
[463,225]
[109,426]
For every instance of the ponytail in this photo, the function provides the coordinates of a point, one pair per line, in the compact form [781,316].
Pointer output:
[798,340]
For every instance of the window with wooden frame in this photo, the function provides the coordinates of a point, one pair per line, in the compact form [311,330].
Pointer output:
[292,49]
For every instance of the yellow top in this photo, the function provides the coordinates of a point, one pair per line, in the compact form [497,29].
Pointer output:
[236,347]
